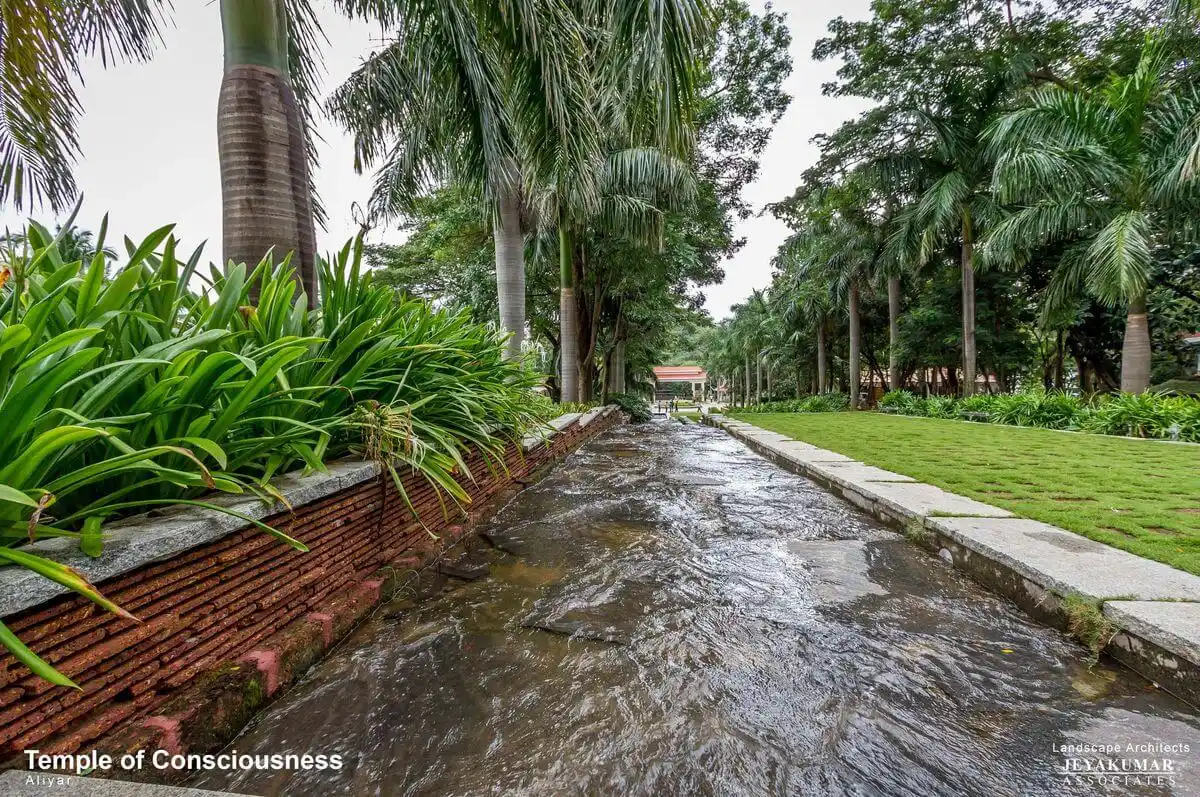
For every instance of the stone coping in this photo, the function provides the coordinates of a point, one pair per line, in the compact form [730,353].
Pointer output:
[1149,599]
[162,534]
[18,783]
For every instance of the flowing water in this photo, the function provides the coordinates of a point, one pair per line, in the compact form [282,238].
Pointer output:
[669,614]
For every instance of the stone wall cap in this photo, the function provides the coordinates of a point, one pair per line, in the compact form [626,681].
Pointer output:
[1173,626]
[16,783]
[590,416]
[563,421]
[161,534]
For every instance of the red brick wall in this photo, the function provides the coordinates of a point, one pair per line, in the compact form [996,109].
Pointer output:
[214,603]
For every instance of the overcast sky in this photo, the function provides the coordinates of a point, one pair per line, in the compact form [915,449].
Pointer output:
[149,142]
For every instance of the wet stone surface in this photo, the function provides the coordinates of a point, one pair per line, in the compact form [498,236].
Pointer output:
[669,614]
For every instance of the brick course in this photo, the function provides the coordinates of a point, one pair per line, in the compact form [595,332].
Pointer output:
[215,605]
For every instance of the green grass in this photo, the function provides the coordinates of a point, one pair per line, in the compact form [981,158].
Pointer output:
[1139,495]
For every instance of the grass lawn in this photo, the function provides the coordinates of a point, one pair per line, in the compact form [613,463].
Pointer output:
[1139,495]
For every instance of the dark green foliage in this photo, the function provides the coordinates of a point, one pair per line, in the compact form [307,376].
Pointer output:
[1145,415]
[121,394]
[825,402]
[636,407]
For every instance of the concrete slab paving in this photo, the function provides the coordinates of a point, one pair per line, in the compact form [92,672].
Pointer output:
[917,500]
[805,454]
[1069,563]
[1173,626]
[851,473]
[17,783]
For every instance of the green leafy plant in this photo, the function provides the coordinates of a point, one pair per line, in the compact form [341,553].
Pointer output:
[1146,415]
[1134,415]
[636,407]
[823,402]
[121,393]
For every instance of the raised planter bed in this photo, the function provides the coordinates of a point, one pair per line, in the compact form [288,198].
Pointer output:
[229,615]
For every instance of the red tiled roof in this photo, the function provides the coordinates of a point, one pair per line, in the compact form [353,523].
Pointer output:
[679,373]
[1192,338]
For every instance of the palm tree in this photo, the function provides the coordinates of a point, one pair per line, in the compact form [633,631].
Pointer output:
[1102,171]
[266,189]
[635,187]
[957,202]
[805,295]
[268,80]
[500,98]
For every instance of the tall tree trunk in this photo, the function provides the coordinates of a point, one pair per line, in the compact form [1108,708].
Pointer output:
[968,305]
[894,375]
[1059,356]
[822,360]
[510,271]
[758,377]
[619,367]
[566,317]
[1135,353]
[855,346]
[266,195]
[615,376]
[770,388]
[746,395]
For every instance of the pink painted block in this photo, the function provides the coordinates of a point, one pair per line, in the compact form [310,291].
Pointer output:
[326,623]
[373,587]
[267,662]
[171,741]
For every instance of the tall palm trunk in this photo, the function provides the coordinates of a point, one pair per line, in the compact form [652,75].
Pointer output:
[968,305]
[266,195]
[894,333]
[822,361]
[855,346]
[566,316]
[746,395]
[510,271]
[758,377]
[1135,352]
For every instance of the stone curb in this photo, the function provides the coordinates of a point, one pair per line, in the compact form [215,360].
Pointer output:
[162,534]
[1154,608]
[19,783]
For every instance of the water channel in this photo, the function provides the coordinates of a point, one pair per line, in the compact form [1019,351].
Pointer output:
[670,614]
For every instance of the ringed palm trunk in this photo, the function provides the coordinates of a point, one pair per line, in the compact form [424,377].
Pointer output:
[266,196]
[1135,351]
[758,377]
[893,333]
[822,367]
[968,305]
[746,395]
[855,346]
[566,315]
[510,271]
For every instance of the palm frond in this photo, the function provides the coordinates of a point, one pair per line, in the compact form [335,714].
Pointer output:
[41,47]
[1120,258]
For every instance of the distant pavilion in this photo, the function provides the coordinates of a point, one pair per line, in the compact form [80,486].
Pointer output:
[667,376]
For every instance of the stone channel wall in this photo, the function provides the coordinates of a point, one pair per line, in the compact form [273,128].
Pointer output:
[228,612]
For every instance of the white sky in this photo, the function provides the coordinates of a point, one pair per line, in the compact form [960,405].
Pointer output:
[149,142]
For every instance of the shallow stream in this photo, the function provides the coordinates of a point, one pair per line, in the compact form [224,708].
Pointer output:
[670,614]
